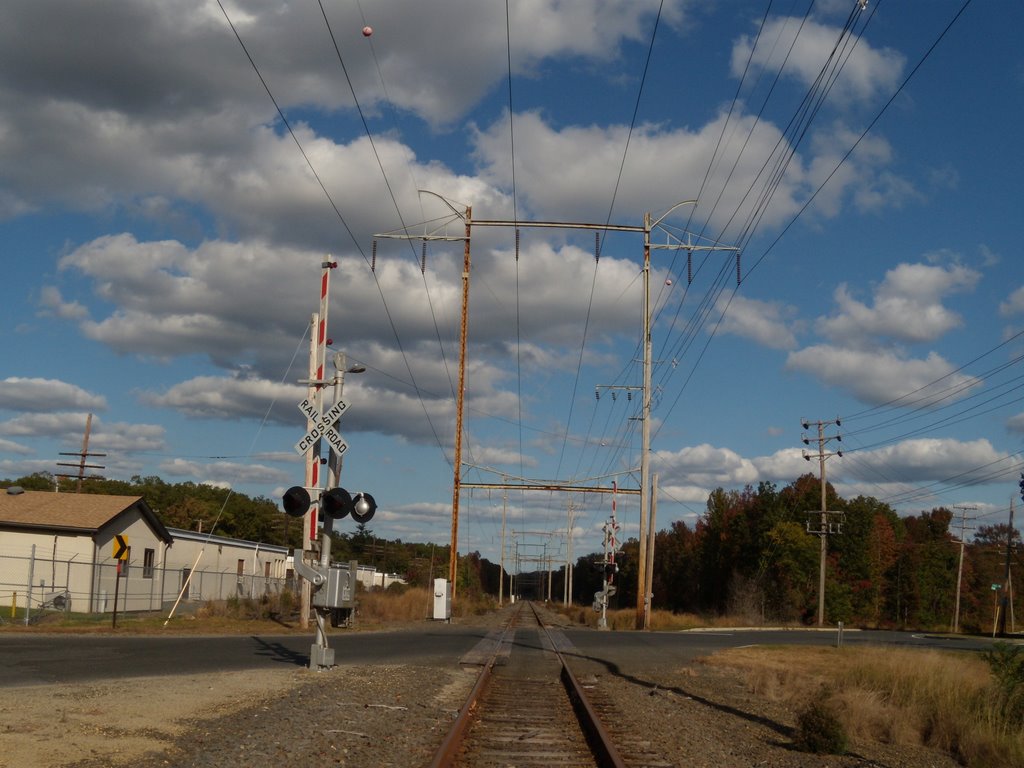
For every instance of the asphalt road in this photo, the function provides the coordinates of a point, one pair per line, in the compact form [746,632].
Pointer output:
[47,659]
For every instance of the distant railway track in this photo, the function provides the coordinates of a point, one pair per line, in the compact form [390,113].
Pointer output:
[528,709]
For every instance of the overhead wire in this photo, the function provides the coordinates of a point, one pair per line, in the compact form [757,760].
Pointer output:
[896,402]
[608,217]
[338,214]
[873,122]
[699,319]
[515,220]
[927,54]
[710,214]
[387,183]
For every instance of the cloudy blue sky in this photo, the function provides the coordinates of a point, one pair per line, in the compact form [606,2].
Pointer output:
[172,175]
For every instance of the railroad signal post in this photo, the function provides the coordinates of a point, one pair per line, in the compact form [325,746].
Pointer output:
[328,589]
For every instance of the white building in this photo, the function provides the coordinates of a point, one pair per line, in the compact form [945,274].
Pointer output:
[61,546]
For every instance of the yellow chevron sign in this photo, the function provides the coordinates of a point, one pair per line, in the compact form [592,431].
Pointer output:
[120,547]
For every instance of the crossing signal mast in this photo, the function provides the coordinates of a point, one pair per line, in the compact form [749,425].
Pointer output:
[327,588]
[609,568]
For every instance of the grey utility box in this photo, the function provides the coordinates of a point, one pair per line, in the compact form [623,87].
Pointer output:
[339,588]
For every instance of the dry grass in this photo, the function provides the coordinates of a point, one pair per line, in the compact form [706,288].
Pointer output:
[394,606]
[943,700]
[412,604]
[665,621]
[273,614]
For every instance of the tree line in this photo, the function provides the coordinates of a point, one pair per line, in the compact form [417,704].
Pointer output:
[749,555]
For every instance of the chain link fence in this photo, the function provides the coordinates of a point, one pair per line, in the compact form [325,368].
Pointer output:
[38,583]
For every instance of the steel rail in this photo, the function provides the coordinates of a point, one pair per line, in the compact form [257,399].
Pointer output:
[598,738]
[606,755]
[449,749]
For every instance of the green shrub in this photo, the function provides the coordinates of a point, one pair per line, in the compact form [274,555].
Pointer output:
[1007,665]
[819,730]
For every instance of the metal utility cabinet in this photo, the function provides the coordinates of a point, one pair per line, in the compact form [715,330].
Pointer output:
[442,600]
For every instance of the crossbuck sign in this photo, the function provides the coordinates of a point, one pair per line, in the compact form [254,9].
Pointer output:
[324,428]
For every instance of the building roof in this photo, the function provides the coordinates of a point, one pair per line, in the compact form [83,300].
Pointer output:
[72,512]
[206,538]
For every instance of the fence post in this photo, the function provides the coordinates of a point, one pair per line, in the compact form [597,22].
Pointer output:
[31,576]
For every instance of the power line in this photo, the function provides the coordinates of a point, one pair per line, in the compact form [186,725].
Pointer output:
[339,215]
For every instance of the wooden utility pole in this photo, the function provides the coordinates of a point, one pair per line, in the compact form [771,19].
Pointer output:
[1006,576]
[649,564]
[825,527]
[960,568]
[501,569]
[83,455]
[567,582]
[453,557]
[645,438]
[672,243]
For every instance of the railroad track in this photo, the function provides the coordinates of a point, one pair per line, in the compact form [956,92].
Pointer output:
[528,709]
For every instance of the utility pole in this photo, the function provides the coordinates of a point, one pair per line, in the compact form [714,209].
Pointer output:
[1006,575]
[567,586]
[501,570]
[83,455]
[466,215]
[960,568]
[673,242]
[825,527]
[461,395]
[515,572]
[649,565]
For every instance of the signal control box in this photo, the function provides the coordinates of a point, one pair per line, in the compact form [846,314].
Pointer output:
[338,589]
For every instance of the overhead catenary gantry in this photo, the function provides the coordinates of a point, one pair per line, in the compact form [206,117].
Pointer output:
[673,242]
